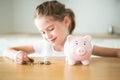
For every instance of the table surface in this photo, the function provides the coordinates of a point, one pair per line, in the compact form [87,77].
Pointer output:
[106,68]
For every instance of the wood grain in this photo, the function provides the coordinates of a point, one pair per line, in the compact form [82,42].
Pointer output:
[106,68]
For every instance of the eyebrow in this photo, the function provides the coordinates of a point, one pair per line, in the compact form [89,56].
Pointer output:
[49,26]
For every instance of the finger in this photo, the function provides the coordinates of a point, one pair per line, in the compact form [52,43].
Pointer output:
[18,61]
[26,58]
[19,55]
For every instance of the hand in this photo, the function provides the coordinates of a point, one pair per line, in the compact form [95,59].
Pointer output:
[21,57]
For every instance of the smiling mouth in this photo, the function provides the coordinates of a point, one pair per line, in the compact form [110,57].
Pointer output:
[53,40]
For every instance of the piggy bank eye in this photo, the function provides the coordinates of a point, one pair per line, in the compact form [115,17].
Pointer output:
[84,42]
[76,42]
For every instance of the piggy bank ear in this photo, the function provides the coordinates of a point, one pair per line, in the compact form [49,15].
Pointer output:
[69,38]
[88,38]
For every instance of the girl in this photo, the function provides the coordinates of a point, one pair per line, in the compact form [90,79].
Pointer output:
[55,23]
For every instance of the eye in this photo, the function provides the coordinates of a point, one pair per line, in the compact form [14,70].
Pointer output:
[76,42]
[42,32]
[51,29]
[84,42]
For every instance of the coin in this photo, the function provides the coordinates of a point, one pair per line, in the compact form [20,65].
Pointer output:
[41,62]
[31,60]
[47,62]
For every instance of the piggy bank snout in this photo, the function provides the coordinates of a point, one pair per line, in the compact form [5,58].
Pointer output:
[80,51]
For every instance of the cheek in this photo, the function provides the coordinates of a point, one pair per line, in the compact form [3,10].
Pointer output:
[61,32]
[64,30]
[43,36]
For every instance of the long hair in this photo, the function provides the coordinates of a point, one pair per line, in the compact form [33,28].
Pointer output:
[56,10]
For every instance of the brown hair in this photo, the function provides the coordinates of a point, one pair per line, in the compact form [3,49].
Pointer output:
[56,10]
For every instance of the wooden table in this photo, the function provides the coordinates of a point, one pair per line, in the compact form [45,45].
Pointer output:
[99,69]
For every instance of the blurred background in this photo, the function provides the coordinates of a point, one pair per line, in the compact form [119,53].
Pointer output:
[92,16]
[100,18]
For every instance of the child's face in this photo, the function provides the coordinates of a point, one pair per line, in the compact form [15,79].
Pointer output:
[52,30]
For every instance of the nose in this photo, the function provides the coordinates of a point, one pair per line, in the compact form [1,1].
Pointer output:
[48,35]
[80,51]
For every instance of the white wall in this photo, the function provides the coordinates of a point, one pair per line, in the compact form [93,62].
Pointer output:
[95,16]
[92,16]
[6,14]
[23,16]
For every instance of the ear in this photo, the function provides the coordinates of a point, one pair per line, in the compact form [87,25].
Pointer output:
[69,38]
[88,38]
[66,21]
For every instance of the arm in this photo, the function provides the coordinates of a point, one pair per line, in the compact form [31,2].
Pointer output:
[106,52]
[19,53]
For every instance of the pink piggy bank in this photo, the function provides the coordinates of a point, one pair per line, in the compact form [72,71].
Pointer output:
[78,49]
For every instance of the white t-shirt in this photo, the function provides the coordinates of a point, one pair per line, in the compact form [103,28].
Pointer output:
[40,49]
